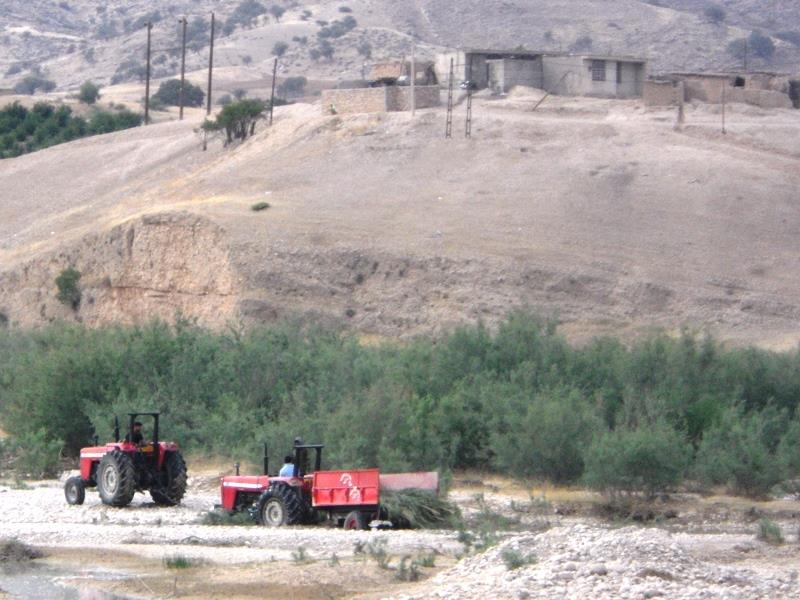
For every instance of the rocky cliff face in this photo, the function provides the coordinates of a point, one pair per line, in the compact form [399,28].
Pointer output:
[153,267]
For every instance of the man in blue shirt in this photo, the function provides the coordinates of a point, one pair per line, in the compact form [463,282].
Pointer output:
[287,470]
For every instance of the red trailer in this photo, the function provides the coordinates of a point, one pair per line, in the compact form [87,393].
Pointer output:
[349,496]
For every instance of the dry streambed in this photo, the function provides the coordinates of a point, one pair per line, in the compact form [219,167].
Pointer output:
[99,552]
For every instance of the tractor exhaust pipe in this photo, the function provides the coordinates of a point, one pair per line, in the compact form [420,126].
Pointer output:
[266,460]
[116,429]
[236,466]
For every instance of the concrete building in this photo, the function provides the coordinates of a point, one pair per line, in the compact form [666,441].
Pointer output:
[562,74]
[593,75]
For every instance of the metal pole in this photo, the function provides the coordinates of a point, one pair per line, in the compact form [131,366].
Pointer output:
[210,65]
[413,77]
[448,131]
[147,80]
[724,82]
[272,99]
[183,68]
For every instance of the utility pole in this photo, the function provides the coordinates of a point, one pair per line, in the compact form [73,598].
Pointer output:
[183,22]
[413,76]
[210,66]
[147,78]
[272,100]
[448,131]
[724,100]
[746,52]
[468,127]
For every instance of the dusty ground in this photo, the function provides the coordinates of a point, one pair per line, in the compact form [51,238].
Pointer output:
[595,211]
[692,548]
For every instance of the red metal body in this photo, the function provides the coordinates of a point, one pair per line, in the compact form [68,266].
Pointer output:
[90,457]
[336,491]
[345,489]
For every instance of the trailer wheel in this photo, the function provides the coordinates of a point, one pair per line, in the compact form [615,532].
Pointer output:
[355,520]
[116,479]
[74,491]
[173,481]
[281,505]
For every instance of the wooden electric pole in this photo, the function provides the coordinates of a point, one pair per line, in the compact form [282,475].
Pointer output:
[413,76]
[724,100]
[272,98]
[147,78]
[448,131]
[210,65]
[183,22]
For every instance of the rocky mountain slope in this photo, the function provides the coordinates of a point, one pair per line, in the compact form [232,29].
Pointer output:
[75,40]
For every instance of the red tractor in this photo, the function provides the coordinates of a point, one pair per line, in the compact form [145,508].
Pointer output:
[123,467]
[352,497]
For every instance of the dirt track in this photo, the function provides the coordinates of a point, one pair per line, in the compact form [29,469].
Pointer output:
[709,550]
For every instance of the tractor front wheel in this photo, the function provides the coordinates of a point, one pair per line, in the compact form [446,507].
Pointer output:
[116,479]
[75,490]
[173,480]
[281,505]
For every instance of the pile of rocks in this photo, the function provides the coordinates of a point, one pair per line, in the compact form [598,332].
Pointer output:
[582,561]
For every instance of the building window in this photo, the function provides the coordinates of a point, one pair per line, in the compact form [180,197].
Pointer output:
[598,70]
[619,73]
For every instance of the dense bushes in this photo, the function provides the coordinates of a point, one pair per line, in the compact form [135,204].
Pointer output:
[25,130]
[520,401]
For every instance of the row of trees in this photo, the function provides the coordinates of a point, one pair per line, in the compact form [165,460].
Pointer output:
[24,130]
[520,401]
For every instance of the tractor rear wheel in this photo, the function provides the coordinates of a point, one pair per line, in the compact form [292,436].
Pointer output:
[116,479]
[281,505]
[172,479]
[74,491]
[355,520]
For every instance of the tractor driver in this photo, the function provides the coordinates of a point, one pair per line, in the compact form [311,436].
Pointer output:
[135,436]
[287,470]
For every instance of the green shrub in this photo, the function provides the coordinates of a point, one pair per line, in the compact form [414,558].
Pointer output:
[715,13]
[648,459]
[38,454]
[735,452]
[89,93]
[259,206]
[169,93]
[788,450]
[34,83]
[14,551]
[513,559]
[546,436]
[770,532]
[179,561]
[69,291]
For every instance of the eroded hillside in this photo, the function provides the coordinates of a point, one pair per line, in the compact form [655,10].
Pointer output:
[594,211]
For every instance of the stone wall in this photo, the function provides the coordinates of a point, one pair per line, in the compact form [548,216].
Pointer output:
[661,93]
[358,100]
[399,98]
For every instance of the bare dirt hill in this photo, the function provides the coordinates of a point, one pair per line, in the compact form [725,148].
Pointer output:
[595,211]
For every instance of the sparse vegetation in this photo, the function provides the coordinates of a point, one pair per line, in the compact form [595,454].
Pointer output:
[277,11]
[715,13]
[14,551]
[280,48]
[793,37]
[300,556]
[514,559]
[292,86]
[225,519]
[33,84]
[179,562]
[259,206]
[769,532]
[69,291]
[244,15]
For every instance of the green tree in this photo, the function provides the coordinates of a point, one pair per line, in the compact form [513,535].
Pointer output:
[649,459]
[89,93]
[715,13]
[169,93]
[277,11]
[280,48]
[238,119]
[69,291]
[292,86]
